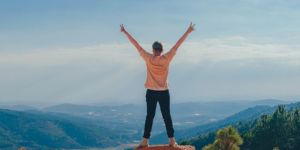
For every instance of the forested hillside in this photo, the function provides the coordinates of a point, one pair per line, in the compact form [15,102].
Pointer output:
[37,130]
[280,130]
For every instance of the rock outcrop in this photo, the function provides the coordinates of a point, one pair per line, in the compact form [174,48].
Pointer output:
[167,147]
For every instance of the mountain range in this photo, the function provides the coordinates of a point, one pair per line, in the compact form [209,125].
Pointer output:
[72,126]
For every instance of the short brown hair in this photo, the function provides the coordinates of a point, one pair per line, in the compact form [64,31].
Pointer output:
[157,46]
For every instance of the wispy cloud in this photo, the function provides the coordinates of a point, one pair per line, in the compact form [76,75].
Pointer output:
[239,49]
[116,71]
[218,50]
[105,53]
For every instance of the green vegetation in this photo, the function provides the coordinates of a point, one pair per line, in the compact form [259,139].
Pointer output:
[227,138]
[38,130]
[280,130]
[260,128]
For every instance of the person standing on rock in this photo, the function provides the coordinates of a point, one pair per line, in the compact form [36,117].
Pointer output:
[157,83]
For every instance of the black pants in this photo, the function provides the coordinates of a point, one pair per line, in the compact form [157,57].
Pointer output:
[163,98]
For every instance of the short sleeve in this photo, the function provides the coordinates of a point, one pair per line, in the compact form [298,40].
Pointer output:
[170,54]
[145,55]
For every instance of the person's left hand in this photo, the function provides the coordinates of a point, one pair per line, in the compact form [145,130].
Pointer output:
[122,28]
[191,27]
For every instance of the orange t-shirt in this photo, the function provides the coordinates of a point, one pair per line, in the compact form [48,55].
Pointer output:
[157,69]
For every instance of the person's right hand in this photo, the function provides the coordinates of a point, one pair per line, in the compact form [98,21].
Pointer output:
[122,28]
[191,27]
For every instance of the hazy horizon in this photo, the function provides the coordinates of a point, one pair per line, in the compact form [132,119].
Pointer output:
[111,103]
[63,51]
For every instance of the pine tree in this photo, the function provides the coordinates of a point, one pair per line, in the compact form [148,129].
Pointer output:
[227,138]
[280,130]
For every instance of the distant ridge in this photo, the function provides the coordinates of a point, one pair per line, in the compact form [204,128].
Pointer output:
[271,102]
[18,107]
[247,114]
[38,130]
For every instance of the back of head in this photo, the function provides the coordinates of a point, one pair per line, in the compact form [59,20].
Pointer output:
[157,46]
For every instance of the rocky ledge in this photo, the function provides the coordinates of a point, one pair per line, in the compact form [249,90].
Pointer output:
[167,147]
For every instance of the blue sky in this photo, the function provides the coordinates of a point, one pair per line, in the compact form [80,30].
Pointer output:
[72,51]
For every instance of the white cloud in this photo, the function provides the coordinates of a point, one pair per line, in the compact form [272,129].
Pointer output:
[116,71]
[212,50]
[238,49]
[109,53]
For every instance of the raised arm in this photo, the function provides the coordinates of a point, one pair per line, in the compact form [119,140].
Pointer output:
[142,52]
[173,50]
